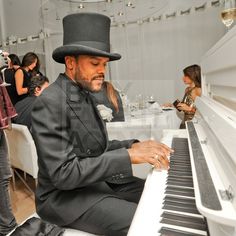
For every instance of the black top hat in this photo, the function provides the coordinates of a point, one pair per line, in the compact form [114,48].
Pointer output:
[85,34]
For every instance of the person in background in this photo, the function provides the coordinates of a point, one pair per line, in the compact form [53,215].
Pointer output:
[7,111]
[10,77]
[191,78]
[85,181]
[36,69]
[24,107]
[23,74]
[110,98]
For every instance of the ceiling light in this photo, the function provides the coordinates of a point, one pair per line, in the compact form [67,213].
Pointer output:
[129,4]
[87,1]
[120,13]
[81,6]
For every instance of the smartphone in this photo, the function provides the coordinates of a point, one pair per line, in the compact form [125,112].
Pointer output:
[175,104]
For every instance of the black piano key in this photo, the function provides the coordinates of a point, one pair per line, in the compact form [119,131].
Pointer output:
[180,168]
[165,231]
[180,178]
[178,155]
[180,163]
[180,199]
[180,183]
[179,191]
[179,173]
[183,220]
[182,208]
[180,204]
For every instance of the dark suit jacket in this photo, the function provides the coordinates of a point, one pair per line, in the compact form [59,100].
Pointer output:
[24,109]
[75,157]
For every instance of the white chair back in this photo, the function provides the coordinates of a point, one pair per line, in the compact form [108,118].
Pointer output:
[22,150]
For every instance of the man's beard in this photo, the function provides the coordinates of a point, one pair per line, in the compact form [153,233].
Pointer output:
[81,80]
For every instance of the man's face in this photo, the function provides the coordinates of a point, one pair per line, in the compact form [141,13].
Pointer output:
[89,71]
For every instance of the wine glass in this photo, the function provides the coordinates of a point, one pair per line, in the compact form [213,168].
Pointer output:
[151,99]
[4,83]
[228,15]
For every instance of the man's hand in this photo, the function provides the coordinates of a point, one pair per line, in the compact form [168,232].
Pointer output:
[151,152]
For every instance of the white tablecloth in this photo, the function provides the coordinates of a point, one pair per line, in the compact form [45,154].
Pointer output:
[143,125]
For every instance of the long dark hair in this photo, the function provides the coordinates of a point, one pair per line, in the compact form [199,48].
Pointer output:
[15,60]
[29,58]
[194,73]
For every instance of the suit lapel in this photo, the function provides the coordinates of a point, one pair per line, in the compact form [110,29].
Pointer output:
[84,109]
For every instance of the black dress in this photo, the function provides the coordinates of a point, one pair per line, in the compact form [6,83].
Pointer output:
[10,78]
[26,81]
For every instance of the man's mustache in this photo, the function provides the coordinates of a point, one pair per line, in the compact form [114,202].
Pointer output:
[98,77]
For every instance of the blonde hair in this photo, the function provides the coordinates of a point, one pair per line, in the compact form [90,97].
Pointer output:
[112,95]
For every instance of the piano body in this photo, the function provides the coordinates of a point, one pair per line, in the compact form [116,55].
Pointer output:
[166,206]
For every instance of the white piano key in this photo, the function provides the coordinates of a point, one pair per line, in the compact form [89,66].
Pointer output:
[148,214]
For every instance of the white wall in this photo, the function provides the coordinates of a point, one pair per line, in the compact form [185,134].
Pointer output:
[153,53]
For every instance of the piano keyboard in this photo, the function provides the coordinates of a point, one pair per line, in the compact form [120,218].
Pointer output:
[167,206]
[180,215]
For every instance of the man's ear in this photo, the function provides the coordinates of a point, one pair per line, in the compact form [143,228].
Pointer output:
[69,61]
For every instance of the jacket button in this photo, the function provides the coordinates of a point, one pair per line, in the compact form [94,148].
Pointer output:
[88,151]
[121,176]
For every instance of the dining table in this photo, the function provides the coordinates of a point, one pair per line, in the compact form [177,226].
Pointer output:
[143,125]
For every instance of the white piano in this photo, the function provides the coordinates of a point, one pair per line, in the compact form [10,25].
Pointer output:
[197,196]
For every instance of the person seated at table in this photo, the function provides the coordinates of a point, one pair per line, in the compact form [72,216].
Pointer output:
[191,78]
[23,74]
[24,107]
[109,97]
[9,73]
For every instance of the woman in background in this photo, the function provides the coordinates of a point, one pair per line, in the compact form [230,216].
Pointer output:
[110,97]
[23,74]
[10,77]
[192,78]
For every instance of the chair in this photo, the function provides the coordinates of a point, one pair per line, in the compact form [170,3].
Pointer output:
[22,152]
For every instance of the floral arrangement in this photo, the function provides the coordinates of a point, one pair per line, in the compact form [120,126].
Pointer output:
[105,112]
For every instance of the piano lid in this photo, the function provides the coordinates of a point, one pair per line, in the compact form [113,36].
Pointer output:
[219,71]
[215,124]
[217,104]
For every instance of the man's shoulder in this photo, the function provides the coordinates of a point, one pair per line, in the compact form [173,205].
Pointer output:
[25,102]
[52,90]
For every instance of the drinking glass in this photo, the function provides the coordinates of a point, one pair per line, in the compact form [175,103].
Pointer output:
[4,83]
[228,15]
[151,99]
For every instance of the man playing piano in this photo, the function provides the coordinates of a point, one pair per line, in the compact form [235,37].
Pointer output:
[85,181]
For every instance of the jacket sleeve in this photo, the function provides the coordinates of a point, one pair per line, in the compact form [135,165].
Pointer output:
[115,144]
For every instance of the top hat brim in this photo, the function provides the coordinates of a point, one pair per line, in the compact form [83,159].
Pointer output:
[69,50]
